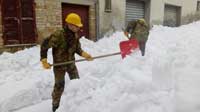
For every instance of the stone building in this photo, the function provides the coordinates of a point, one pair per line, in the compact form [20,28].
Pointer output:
[29,21]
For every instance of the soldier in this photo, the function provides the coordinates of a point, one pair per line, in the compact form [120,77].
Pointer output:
[64,43]
[139,30]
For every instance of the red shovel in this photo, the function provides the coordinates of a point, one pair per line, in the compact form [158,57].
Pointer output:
[126,48]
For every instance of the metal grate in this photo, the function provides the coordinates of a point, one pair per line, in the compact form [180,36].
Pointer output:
[134,10]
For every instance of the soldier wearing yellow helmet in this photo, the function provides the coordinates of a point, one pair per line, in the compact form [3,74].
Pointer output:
[74,19]
[139,30]
[64,43]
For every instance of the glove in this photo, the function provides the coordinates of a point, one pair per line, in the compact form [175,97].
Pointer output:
[126,33]
[45,64]
[87,56]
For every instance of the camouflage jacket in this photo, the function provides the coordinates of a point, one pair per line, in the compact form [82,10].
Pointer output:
[64,44]
[137,30]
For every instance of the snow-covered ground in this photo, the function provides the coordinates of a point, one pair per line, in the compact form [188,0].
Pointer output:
[165,80]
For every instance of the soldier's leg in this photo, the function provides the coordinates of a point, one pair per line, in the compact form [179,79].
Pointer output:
[72,71]
[58,87]
[142,45]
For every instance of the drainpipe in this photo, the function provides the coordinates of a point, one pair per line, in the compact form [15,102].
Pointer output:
[97,20]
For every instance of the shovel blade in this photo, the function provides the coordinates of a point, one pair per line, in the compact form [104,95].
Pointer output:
[127,47]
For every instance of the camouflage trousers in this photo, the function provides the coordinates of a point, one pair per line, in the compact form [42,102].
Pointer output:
[142,45]
[59,74]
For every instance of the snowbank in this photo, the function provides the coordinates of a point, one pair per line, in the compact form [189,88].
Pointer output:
[159,82]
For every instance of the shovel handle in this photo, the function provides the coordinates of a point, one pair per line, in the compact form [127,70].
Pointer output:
[80,60]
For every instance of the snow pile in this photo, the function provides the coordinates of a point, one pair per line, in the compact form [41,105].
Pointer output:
[22,80]
[179,50]
[158,82]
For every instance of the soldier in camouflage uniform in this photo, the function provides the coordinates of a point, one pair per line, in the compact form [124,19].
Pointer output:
[64,43]
[139,30]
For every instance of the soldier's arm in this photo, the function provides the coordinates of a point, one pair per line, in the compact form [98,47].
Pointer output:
[44,48]
[79,49]
[49,42]
[130,27]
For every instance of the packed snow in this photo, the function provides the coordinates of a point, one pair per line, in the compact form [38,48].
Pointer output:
[166,79]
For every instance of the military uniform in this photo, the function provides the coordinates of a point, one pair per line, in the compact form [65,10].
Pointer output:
[64,44]
[140,31]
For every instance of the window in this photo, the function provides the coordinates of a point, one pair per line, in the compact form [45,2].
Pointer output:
[108,5]
[198,5]
[18,21]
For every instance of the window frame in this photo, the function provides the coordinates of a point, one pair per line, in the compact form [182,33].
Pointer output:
[198,5]
[108,6]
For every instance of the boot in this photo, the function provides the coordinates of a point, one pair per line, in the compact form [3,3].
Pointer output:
[54,108]
[143,53]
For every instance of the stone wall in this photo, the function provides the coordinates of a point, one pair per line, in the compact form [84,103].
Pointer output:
[48,17]
[92,23]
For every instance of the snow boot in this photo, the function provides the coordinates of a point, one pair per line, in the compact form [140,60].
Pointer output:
[54,108]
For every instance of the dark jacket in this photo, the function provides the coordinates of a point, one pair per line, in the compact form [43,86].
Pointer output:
[138,30]
[64,44]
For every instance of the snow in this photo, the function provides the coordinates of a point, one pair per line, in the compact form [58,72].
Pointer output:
[164,80]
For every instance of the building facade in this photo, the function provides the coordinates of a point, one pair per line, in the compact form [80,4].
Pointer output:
[156,12]
[29,21]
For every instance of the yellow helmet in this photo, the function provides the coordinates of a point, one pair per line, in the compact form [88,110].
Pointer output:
[74,19]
